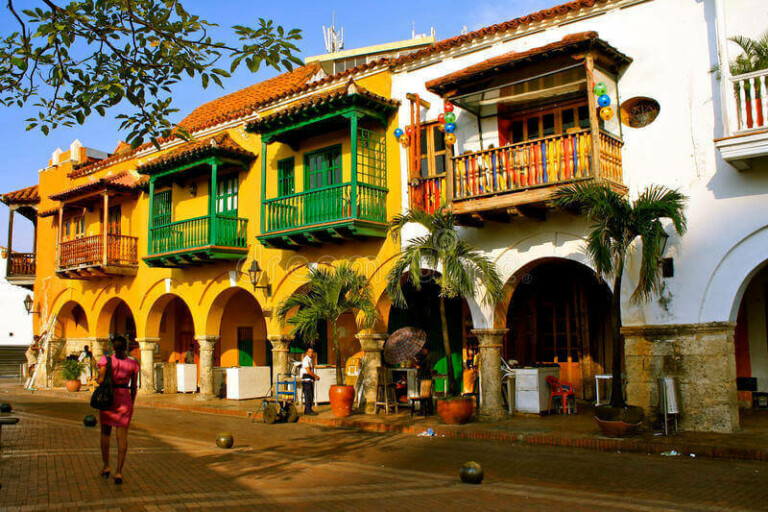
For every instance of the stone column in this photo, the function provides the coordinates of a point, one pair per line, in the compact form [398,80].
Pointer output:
[280,346]
[147,347]
[489,345]
[372,345]
[99,347]
[207,344]
[702,360]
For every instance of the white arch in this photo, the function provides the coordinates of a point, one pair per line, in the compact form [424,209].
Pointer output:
[726,285]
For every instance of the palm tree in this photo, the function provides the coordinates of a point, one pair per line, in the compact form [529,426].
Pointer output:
[617,224]
[754,56]
[330,293]
[460,264]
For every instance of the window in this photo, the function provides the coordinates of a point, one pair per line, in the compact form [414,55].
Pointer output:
[545,123]
[74,227]
[162,208]
[286,183]
[113,222]
[322,168]
[433,151]
[226,195]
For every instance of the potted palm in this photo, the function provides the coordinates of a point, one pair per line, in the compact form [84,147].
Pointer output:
[329,294]
[753,57]
[461,266]
[617,226]
[71,369]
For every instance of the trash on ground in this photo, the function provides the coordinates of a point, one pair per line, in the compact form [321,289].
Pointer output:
[427,433]
[672,453]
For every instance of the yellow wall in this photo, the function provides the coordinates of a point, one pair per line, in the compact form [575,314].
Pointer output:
[203,288]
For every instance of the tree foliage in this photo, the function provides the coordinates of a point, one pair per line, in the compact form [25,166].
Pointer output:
[617,225]
[461,266]
[69,60]
[330,292]
[753,56]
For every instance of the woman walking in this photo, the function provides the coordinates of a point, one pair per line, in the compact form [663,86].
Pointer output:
[124,373]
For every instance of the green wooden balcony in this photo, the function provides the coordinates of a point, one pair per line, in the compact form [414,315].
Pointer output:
[329,214]
[196,241]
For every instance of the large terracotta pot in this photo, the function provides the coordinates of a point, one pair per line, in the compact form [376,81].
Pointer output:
[455,411]
[342,398]
[73,386]
[619,421]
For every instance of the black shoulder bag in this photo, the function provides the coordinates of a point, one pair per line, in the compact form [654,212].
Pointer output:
[104,395]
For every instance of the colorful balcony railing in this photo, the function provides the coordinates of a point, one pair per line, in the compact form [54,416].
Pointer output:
[751,91]
[89,252]
[429,194]
[21,264]
[326,205]
[191,234]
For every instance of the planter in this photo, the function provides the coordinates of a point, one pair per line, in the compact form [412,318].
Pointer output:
[618,421]
[455,411]
[341,398]
[73,386]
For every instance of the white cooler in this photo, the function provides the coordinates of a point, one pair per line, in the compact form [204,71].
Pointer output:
[246,382]
[186,375]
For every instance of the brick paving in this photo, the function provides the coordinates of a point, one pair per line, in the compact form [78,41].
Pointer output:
[49,461]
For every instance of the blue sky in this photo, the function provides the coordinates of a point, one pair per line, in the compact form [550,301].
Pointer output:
[364,24]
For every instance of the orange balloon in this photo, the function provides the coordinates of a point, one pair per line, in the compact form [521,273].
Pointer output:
[405,140]
[450,139]
[606,113]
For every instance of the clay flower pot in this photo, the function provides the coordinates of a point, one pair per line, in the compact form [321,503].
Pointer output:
[455,411]
[619,422]
[73,386]
[342,398]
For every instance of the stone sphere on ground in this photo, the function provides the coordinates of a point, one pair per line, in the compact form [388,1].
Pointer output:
[5,408]
[89,420]
[225,440]
[471,473]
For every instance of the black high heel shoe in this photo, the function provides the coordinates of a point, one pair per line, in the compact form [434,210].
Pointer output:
[118,480]
[105,474]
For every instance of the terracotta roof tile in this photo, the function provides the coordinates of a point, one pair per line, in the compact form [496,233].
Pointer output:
[508,60]
[85,170]
[28,195]
[219,145]
[125,181]
[543,15]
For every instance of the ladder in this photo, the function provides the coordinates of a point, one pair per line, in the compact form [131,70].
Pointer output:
[45,343]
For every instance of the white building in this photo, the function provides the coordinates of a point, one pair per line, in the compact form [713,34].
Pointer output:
[531,79]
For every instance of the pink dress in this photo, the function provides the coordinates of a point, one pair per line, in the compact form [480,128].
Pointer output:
[121,412]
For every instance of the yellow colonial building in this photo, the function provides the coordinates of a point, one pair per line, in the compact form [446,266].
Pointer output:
[196,243]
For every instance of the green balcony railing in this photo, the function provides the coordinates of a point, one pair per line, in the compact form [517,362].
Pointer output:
[196,233]
[326,205]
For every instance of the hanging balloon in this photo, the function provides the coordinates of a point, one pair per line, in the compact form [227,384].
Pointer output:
[450,139]
[441,127]
[450,117]
[450,127]
[409,130]
[448,107]
[604,100]
[606,113]
[440,117]
[405,140]
[398,133]
[600,89]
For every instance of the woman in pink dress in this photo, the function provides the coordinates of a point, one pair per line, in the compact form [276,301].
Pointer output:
[125,373]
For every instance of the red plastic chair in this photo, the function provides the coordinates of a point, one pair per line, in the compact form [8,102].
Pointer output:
[561,390]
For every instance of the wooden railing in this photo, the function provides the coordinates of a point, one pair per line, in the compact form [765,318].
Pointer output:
[195,233]
[324,205]
[549,160]
[429,194]
[21,264]
[89,251]
[751,93]
[610,158]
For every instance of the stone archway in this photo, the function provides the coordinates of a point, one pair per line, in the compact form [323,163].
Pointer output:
[116,319]
[236,317]
[71,332]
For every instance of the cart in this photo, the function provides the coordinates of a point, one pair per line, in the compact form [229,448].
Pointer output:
[283,407]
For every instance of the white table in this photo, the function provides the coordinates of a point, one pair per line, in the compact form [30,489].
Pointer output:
[609,379]
[186,378]
[246,382]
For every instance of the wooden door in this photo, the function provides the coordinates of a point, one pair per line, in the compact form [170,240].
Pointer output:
[245,346]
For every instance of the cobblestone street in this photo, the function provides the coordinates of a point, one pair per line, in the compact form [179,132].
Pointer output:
[50,461]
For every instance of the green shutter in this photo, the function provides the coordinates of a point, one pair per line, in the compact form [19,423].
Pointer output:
[226,195]
[286,182]
[322,168]
[162,207]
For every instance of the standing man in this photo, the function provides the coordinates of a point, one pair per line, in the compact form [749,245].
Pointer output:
[86,357]
[308,378]
[189,355]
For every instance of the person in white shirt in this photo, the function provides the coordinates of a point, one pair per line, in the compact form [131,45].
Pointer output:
[308,378]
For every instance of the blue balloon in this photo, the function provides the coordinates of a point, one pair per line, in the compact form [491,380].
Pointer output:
[450,127]
[398,133]
[604,100]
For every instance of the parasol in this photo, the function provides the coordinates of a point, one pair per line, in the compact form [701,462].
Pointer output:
[404,344]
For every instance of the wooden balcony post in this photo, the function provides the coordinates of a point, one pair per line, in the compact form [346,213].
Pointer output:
[594,123]
[151,214]
[60,235]
[10,240]
[353,166]
[262,219]
[449,174]
[213,200]
[105,229]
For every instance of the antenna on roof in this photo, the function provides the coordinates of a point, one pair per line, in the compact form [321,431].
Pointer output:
[334,41]
[464,30]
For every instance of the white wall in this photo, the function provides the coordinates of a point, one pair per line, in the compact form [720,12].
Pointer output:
[673,44]
[15,323]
